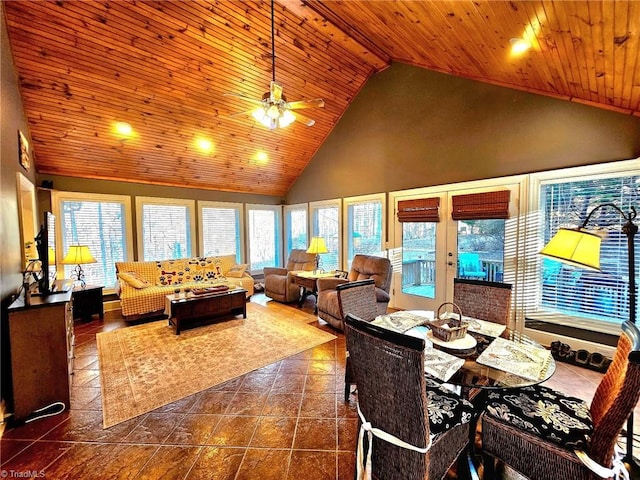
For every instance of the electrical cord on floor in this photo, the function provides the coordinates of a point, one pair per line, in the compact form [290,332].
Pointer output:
[55,408]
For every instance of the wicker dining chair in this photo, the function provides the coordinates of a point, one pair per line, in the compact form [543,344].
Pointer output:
[483,300]
[394,399]
[513,425]
[358,299]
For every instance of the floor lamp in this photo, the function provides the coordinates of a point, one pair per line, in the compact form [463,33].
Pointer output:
[581,248]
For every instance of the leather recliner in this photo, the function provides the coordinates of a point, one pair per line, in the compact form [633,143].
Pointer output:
[278,281]
[363,267]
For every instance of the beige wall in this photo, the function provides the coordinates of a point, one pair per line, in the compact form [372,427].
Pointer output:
[13,119]
[410,127]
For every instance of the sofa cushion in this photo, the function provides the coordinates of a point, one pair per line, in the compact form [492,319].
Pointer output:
[134,279]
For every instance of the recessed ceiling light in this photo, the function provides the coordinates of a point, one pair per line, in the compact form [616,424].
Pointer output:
[519,46]
[261,158]
[204,145]
[123,129]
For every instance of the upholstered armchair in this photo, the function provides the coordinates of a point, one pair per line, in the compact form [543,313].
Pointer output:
[363,267]
[278,281]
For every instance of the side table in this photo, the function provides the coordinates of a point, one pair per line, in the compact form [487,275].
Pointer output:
[307,280]
[87,302]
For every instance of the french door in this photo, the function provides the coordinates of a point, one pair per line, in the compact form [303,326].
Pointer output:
[429,255]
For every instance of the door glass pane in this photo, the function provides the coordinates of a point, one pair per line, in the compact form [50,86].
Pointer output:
[481,250]
[418,259]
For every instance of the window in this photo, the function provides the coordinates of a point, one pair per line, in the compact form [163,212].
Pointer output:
[264,227]
[221,229]
[574,296]
[325,217]
[166,227]
[102,222]
[364,226]
[295,228]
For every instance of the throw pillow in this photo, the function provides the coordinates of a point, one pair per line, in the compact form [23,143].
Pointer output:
[237,271]
[172,272]
[134,279]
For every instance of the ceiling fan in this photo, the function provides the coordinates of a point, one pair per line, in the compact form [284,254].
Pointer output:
[274,111]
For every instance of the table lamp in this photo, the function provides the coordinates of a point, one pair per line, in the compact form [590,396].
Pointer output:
[581,248]
[316,247]
[78,255]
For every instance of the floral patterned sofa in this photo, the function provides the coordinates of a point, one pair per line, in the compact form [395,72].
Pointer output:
[143,286]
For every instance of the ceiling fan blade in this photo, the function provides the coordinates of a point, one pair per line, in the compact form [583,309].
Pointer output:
[239,114]
[316,102]
[244,97]
[276,92]
[302,119]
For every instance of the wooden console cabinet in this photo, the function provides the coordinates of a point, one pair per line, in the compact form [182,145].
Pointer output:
[41,340]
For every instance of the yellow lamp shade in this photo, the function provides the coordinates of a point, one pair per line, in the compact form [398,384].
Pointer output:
[317,246]
[51,254]
[579,248]
[78,254]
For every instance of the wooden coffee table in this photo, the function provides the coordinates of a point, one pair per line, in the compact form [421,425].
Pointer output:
[210,305]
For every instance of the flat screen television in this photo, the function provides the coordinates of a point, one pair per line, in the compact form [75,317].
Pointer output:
[46,247]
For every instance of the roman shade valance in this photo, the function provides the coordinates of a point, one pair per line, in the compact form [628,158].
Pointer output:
[481,206]
[419,210]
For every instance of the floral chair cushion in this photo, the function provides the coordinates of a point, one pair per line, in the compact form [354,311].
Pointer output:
[545,413]
[446,408]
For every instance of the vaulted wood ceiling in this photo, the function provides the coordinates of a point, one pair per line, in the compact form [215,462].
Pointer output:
[165,66]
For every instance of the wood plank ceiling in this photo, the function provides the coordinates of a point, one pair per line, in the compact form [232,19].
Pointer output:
[164,67]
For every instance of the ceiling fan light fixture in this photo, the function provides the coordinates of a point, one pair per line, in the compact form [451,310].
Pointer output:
[286,119]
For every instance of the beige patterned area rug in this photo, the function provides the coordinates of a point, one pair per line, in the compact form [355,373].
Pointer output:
[147,366]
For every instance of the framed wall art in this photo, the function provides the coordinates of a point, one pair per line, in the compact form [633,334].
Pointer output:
[23,151]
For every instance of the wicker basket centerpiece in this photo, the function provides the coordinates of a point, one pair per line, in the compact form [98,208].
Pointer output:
[448,329]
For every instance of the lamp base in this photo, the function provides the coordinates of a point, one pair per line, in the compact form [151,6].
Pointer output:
[78,275]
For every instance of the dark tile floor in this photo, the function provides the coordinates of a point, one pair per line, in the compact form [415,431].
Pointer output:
[287,420]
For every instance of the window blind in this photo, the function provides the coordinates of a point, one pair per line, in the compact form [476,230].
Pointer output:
[166,231]
[264,236]
[101,226]
[297,237]
[481,206]
[326,224]
[221,231]
[364,229]
[419,210]
[601,296]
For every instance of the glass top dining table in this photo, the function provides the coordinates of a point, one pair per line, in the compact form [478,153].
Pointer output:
[489,356]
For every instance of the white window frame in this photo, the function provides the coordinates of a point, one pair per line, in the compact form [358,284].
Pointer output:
[533,263]
[277,209]
[239,207]
[287,210]
[334,203]
[349,202]
[190,204]
[57,197]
